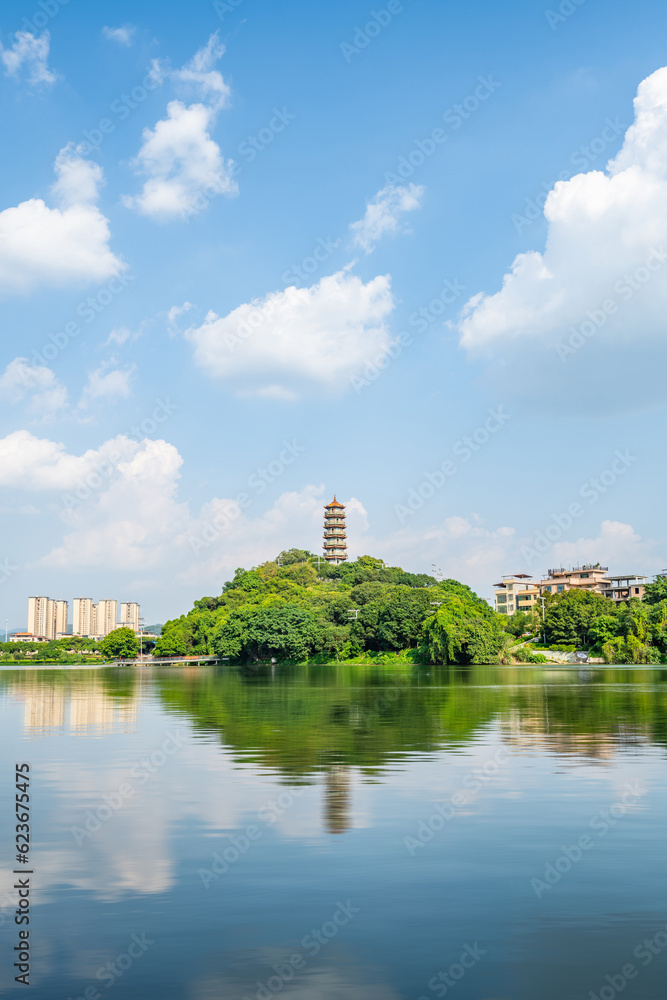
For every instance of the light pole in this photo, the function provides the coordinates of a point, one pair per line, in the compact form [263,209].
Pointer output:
[141,637]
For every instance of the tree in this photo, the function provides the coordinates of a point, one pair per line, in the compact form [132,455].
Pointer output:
[173,643]
[464,631]
[571,615]
[290,556]
[657,591]
[122,643]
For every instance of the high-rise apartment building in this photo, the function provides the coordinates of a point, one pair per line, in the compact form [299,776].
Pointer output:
[38,612]
[129,615]
[106,617]
[46,617]
[83,623]
[61,609]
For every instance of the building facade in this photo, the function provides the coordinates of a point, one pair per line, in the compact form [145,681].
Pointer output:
[335,533]
[105,617]
[82,621]
[47,618]
[518,592]
[129,616]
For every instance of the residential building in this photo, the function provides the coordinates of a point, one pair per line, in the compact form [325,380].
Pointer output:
[106,617]
[83,623]
[516,593]
[38,616]
[129,616]
[623,588]
[588,577]
[46,617]
[335,536]
[61,609]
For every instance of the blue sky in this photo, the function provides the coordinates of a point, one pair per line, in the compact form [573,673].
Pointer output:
[181,169]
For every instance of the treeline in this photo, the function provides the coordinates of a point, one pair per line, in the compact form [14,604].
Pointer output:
[293,609]
[60,650]
[632,632]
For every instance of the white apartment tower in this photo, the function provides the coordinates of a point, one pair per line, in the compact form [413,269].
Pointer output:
[129,616]
[106,615]
[83,623]
[61,609]
[38,616]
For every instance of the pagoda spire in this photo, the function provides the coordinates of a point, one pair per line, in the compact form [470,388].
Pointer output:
[335,534]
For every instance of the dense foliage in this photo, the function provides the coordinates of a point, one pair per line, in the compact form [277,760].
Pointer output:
[122,643]
[291,609]
[632,632]
[67,650]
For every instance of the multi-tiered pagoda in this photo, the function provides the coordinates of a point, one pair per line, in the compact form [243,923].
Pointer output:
[335,535]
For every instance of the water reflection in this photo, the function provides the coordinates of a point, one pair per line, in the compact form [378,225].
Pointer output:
[370,755]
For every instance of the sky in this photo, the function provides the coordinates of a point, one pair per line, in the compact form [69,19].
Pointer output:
[252,255]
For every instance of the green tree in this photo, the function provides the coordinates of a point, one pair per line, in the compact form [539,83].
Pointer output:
[173,643]
[290,556]
[464,631]
[122,643]
[571,615]
[657,591]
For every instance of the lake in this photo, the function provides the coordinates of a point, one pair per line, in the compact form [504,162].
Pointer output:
[335,833]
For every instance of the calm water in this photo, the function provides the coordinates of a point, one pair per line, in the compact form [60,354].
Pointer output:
[329,835]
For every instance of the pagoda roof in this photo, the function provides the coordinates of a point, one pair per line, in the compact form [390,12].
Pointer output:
[334,503]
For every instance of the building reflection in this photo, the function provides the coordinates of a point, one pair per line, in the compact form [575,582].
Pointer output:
[82,706]
[337,799]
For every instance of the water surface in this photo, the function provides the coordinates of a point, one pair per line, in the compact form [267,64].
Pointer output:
[327,833]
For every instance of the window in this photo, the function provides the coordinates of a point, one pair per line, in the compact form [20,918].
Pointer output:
[636,590]
[560,588]
[547,590]
[585,576]
[502,598]
[510,586]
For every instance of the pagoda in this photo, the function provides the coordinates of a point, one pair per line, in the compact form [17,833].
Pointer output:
[335,535]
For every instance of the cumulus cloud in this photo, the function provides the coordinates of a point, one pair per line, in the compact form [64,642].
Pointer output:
[108,383]
[599,289]
[53,246]
[30,53]
[39,384]
[199,74]
[319,336]
[121,511]
[183,165]
[617,544]
[383,213]
[123,35]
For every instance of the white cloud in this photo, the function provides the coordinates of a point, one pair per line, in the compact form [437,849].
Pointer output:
[382,214]
[123,35]
[174,316]
[131,519]
[53,246]
[199,74]
[31,463]
[119,336]
[184,166]
[617,545]
[601,282]
[20,379]
[322,335]
[32,52]
[107,384]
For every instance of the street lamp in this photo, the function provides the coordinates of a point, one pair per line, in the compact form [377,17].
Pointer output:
[141,637]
